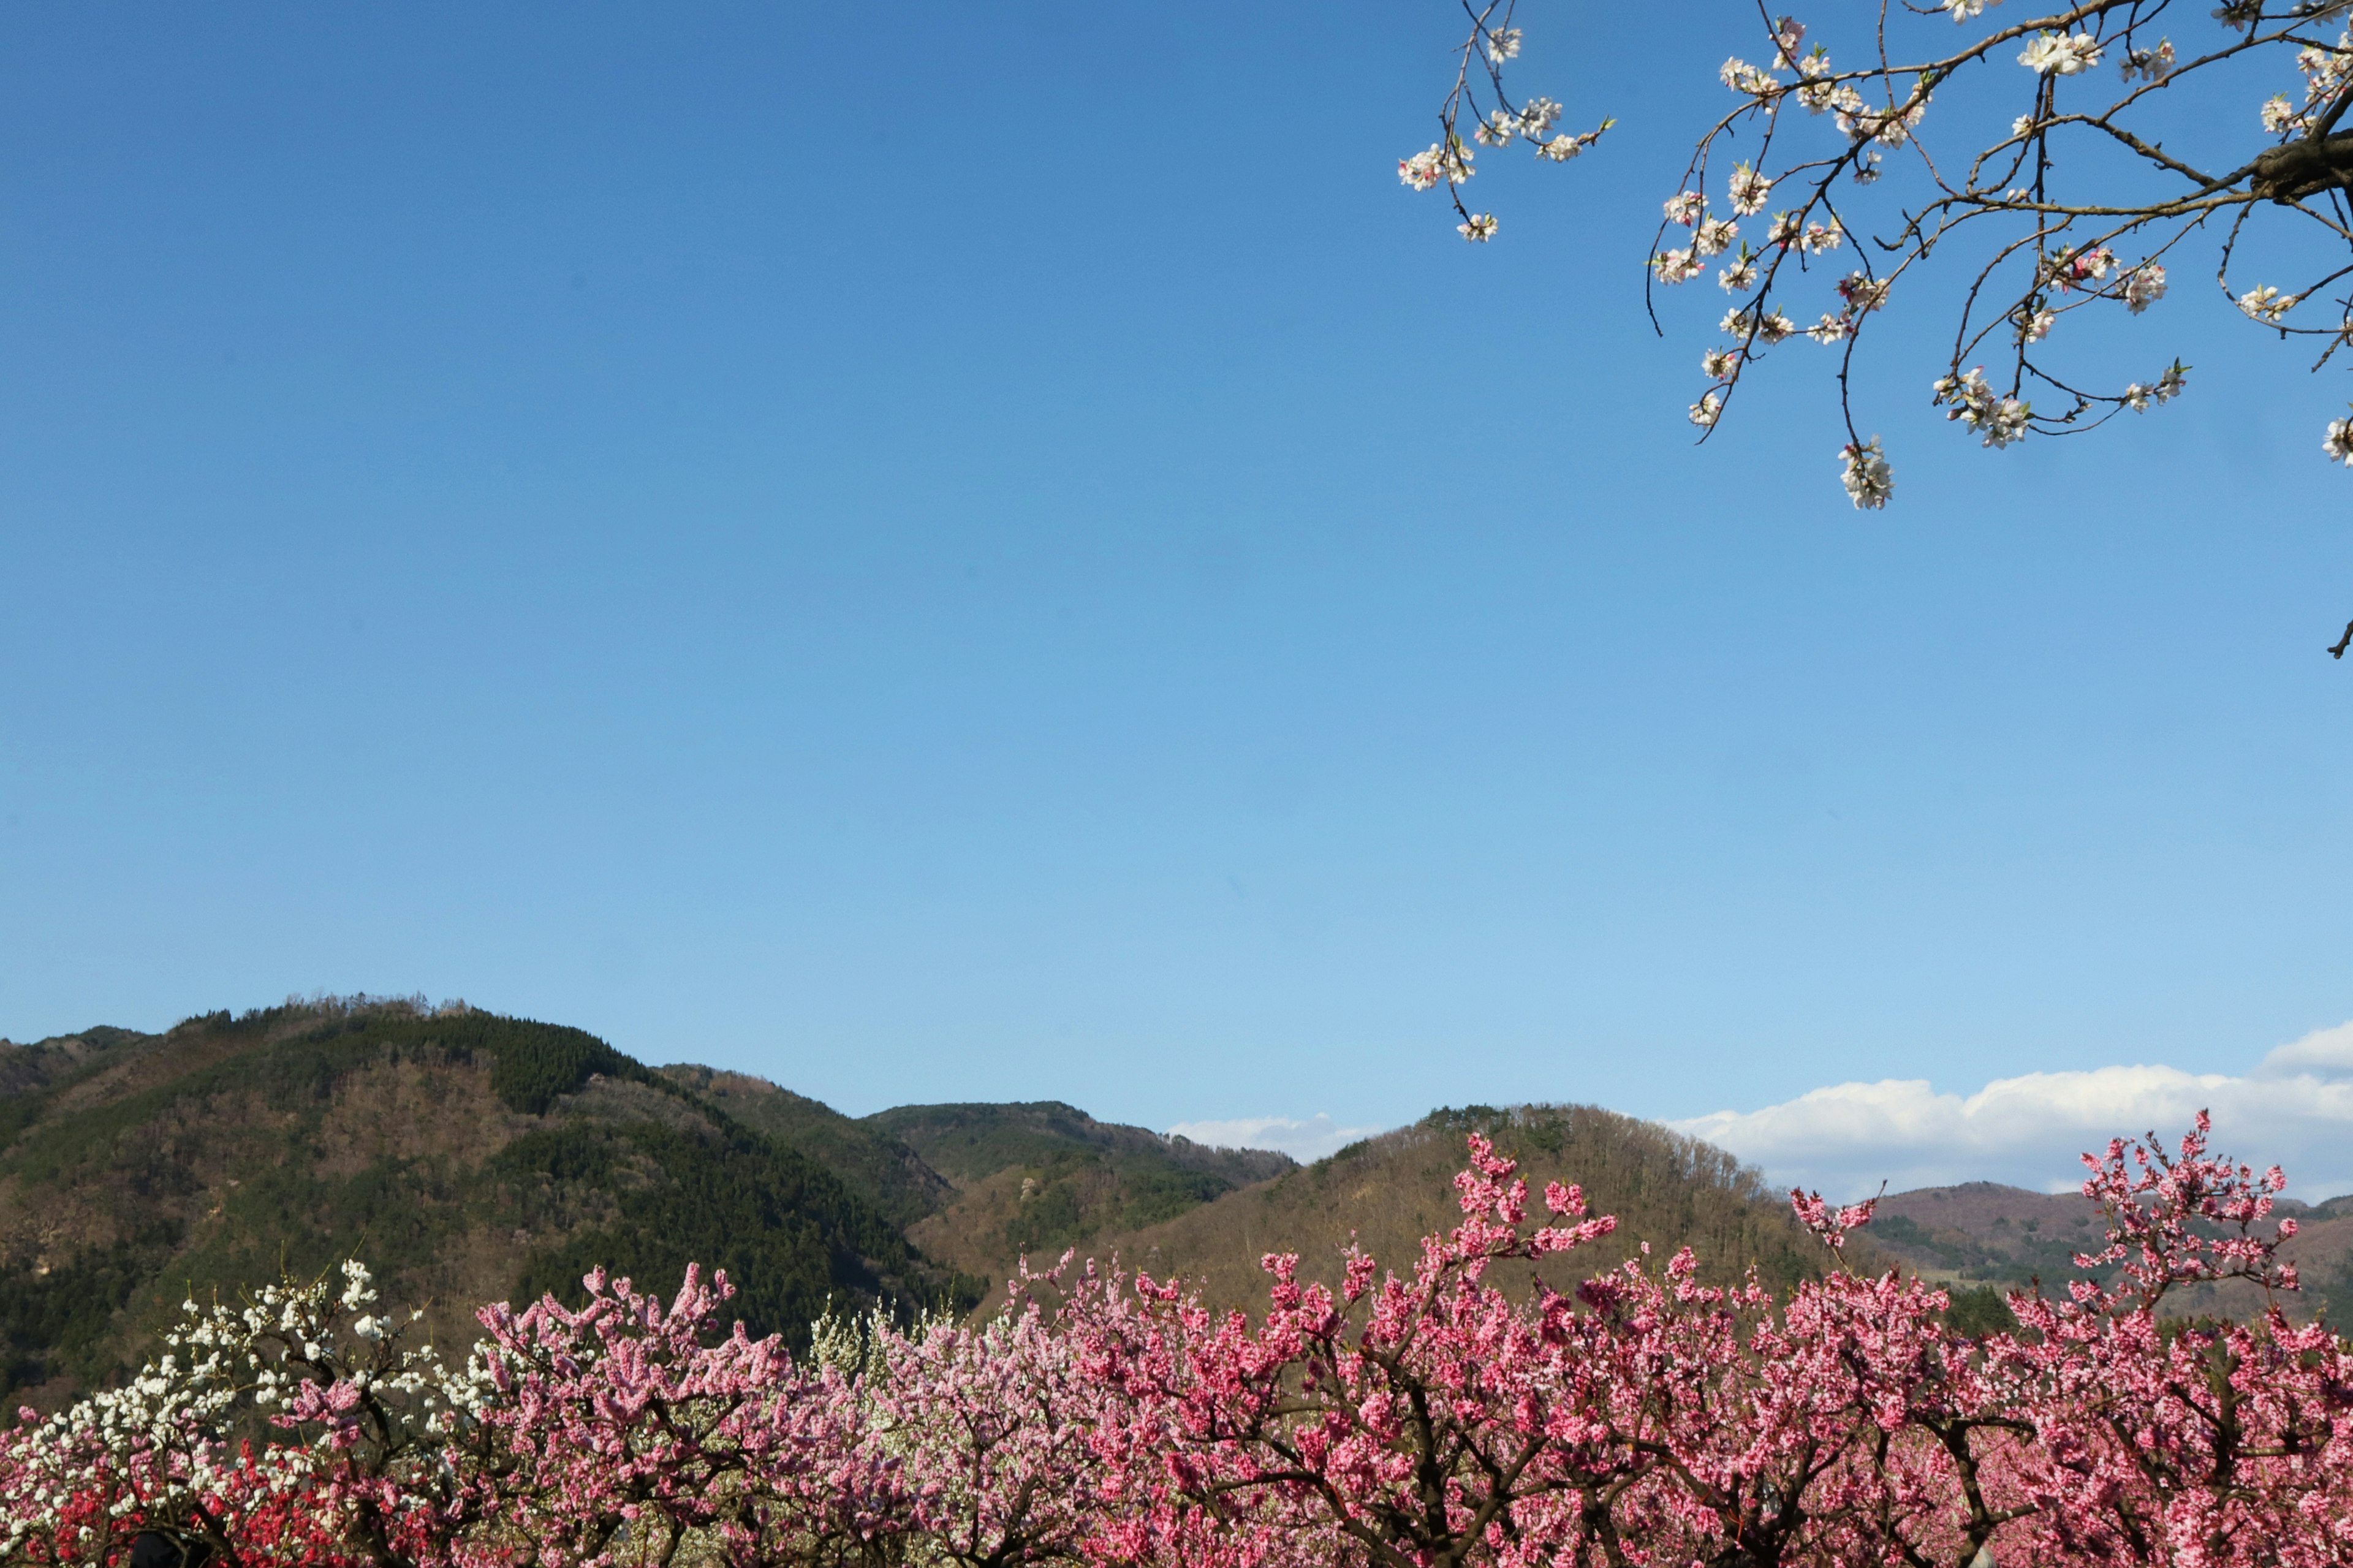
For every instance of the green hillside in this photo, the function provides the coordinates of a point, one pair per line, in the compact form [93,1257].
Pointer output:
[467,1156]
[1037,1177]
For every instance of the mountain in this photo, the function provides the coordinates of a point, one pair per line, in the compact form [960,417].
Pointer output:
[467,1156]
[1387,1192]
[470,1157]
[1035,1178]
[978,1186]
[1984,1234]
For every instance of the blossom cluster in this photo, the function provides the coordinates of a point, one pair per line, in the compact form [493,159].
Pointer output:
[1396,1416]
[2326,72]
[1479,99]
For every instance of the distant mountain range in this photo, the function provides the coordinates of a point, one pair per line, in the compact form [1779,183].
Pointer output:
[470,1157]
[1984,1234]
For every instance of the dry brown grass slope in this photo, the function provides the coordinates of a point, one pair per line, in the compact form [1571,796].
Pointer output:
[1387,1193]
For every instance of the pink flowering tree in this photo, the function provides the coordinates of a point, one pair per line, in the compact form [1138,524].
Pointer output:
[1407,1420]
[1437,1420]
[628,1431]
[999,1427]
[1434,1419]
[2197,1443]
[1783,1431]
[2086,148]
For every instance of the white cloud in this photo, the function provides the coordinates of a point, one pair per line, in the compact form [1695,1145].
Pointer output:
[2323,1053]
[2295,1107]
[1305,1140]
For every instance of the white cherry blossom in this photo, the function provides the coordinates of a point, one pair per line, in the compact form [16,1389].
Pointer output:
[1677,266]
[2061,54]
[1749,191]
[2066,232]
[2338,443]
[1870,483]
[2267,304]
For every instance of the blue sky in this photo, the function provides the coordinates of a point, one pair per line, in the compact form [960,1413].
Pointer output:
[989,553]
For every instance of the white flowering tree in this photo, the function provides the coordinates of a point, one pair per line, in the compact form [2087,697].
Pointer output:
[2085,148]
[295,1425]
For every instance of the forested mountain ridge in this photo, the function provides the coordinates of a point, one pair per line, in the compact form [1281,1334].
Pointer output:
[469,1157]
[970,1143]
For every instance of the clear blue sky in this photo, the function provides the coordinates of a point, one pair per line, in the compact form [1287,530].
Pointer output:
[952,551]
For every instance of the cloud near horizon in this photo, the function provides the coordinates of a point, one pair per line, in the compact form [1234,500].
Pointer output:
[1305,1141]
[2295,1108]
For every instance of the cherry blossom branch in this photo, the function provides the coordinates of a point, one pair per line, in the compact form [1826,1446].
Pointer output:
[2081,241]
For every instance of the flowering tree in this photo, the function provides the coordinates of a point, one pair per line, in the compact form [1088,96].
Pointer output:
[2055,190]
[358,1416]
[1402,1421]
[1431,1419]
[999,1426]
[2194,1443]
[621,1433]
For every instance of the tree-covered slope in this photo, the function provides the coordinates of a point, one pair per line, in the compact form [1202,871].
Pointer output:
[466,1155]
[891,1173]
[1033,1178]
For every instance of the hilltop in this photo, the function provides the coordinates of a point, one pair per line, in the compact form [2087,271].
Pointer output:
[468,1156]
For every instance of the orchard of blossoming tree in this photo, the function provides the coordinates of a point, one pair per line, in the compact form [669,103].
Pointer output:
[2056,189]
[1415,1417]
